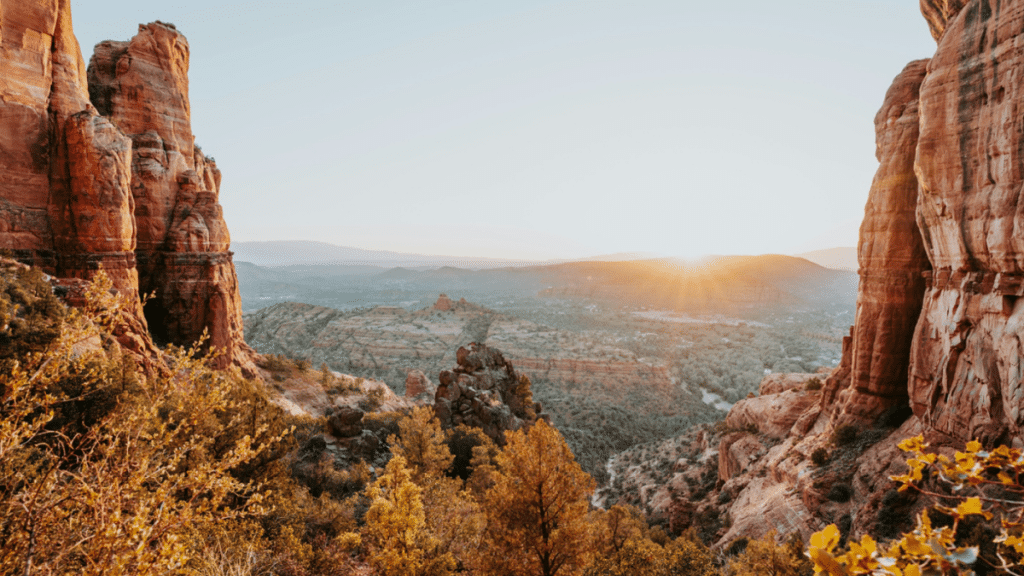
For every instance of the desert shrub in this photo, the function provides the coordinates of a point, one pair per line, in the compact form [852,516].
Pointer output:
[840,492]
[373,401]
[343,386]
[30,315]
[819,457]
[120,487]
[275,363]
[765,556]
[845,435]
[303,364]
[813,384]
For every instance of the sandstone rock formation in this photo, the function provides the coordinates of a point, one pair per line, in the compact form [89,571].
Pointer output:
[938,13]
[892,260]
[965,377]
[120,186]
[417,384]
[483,390]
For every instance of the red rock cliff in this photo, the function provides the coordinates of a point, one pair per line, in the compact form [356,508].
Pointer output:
[966,376]
[182,252]
[126,190]
[892,258]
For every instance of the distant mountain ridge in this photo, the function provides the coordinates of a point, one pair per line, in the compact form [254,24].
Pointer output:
[276,253]
[844,258]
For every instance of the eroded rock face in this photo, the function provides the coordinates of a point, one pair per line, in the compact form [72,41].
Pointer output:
[967,379]
[182,239]
[939,13]
[483,390]
[892,259]
[125,190]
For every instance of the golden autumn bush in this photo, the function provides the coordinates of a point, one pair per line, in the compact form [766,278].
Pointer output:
[105,474]
[977,484]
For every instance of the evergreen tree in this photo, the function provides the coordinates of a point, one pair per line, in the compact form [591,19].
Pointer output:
[537,508]
[396,534]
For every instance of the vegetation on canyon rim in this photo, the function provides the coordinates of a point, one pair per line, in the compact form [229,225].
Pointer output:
[106,468]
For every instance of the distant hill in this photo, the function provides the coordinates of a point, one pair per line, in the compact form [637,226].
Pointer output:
[727,284]
[720,283]
[835,258]
[303,252]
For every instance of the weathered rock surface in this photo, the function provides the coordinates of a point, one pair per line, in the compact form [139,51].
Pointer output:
[484,391]
[736,452]
[892,259]
[966,378]
[125,189]
[939,13]
[772,414]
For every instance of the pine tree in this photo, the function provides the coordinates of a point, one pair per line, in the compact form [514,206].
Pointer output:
[421,442]
[396,534]
[537,508]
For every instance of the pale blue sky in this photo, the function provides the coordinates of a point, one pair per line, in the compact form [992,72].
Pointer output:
[538,128]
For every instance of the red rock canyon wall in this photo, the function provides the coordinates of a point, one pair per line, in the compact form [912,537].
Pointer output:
[116,182]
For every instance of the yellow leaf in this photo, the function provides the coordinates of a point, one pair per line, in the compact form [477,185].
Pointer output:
[914,444]
[912,570]
[868,544]
[973,446]
[826,539]
[823,561]
[972,506]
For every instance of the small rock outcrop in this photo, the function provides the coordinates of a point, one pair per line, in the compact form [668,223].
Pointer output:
[484,391]
[101,171]
[417,384]
[443,304]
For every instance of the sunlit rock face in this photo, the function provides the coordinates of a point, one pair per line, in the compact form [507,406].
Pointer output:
[966,373]
[182,251]
[939,13]
[892,259]
[115,183]
[65,199]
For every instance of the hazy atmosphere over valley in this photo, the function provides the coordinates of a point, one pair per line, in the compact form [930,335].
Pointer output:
[533,287]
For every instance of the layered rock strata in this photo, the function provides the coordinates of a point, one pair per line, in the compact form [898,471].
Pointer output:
[115,183]
[892,259]
[966,375]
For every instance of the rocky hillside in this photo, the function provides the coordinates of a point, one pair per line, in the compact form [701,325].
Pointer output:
[593,387]
[101,170]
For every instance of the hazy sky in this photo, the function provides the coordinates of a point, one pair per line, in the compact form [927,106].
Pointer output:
[538,128]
